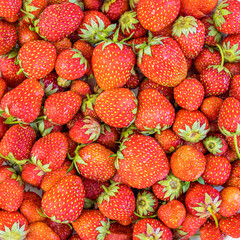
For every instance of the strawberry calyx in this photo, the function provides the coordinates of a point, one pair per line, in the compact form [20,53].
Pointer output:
[10,157]
[119,154]
[49,90]
[213,32]
[106,5]
[89,102]
[103,229]
[39,166]
[96,31]
[78,3]
[213,144]
[16,176]
[92,127]
[36,28]
[220,13]
[62,82]
[89,204]
[28,7]
[184,25]
[133,3]
[12,54]
[16,232]
[194,134]
[97,89]
[151,233]
[78,54]
[231,54]
[127,21]
[104,127]
[127,132]
[110,191]
[40,127]
[158,129]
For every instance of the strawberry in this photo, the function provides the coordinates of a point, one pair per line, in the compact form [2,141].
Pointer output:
[231,155]
[9,179]
[211,106]
[91,224]
[231,226]
[115,8]
[189,94]
[81,87]
[198,145]
[146,157]
[31,207]
[44,127]
[118,231]
[3,128]
[12,225]
[165,32]
[234,179]
[22,104]
[62,45]
[3,88]
[95,162]
[92,4]
[234,89]
[9,8]
[58,13]
[64,201]
[234,68]
[119,56]
[209,231]
[74,237]
[155,112]
[230,204]
[165,57]
[39,64]
[116,107]
[208,56]
[40,230]
[172,214]
[148,228]
[189,34]
[191,126]
[165,13]
[133,82]
[217,170]
[61,107]
[8,35]
[226,16]
[117,202]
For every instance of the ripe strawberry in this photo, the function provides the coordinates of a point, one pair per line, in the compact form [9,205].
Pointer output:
[39,64]
[165,57]
[155,112]
[61,107]
[189,94]
[9,179]
[226,17]
[39,231]
[231,155]
[118,231]
[22,104]
[234,68]
[9,8]
[172,214]
[31,206]
[3,128]
[231,226]
[91,224]
[119,56]
[64,201]
[191,126]
[198,145]
[115,8]
[146,157]
[81,87]
[134,81]
[234,178]
[8,35]
[12,225]
[74,237]
[92,4]
[3,88]
[148,227]
[116,107]
[234,89]
[217,170]
[58,13]
[95,162]
[209,231]
[189,34]
[62,45]
[207,57]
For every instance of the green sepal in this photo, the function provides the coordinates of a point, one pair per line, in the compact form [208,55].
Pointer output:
[103,229]
[150,234]
[45,168]
[16,232]
[221,11]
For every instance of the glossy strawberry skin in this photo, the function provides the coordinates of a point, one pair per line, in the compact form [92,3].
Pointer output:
[62,45]
[10,8]
[234,179]
[231,226]
[234,89]
[209,231]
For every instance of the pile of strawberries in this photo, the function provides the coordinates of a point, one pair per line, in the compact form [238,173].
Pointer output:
[125,117]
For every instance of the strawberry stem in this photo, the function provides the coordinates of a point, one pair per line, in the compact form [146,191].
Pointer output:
[213,215]
[236,145]
[222,54]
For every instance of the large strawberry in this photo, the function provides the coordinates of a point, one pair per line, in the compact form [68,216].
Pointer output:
[209,231]
[141,161]
[68,17]
[159,13]
[112,62]
[22,104]
[9,8]
[231,226]
[37,58]
[162,61]
[64,201]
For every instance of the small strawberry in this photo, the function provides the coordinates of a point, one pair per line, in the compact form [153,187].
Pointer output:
[172,214]
[234,178]
[189,34]
[231,226]
[209,231]
[234,68]
[92,4]
[39,64]
[134,81]
[81,87]
[61,107]
[62,45]
[116,107]
[9,8]
[231,155]
[119,231]
[198,145]
[234,89]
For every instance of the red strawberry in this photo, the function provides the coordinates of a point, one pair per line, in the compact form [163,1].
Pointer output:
[134,81]
[191,126]
[74,237]
[189,94]
[190,35]
[116,107]
[91,224]
[226,16]
[165,57]
[3,128]
[148,227]
[64,201]
[22,104]
[62,45]
[142,161]
[61,107]
[118,231]
[231,226]
[39,64]
[115,8]
[231,155]
[12,224]
[81,87]
[9,8]
[8,34]
[154,113]
[234,179]
[3,88]
[92,4]
[67,15]
[165,12]
[217,170]
[198,145]
[209,231]
[234,68]
[117,202]
[234,89]
[172,214]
